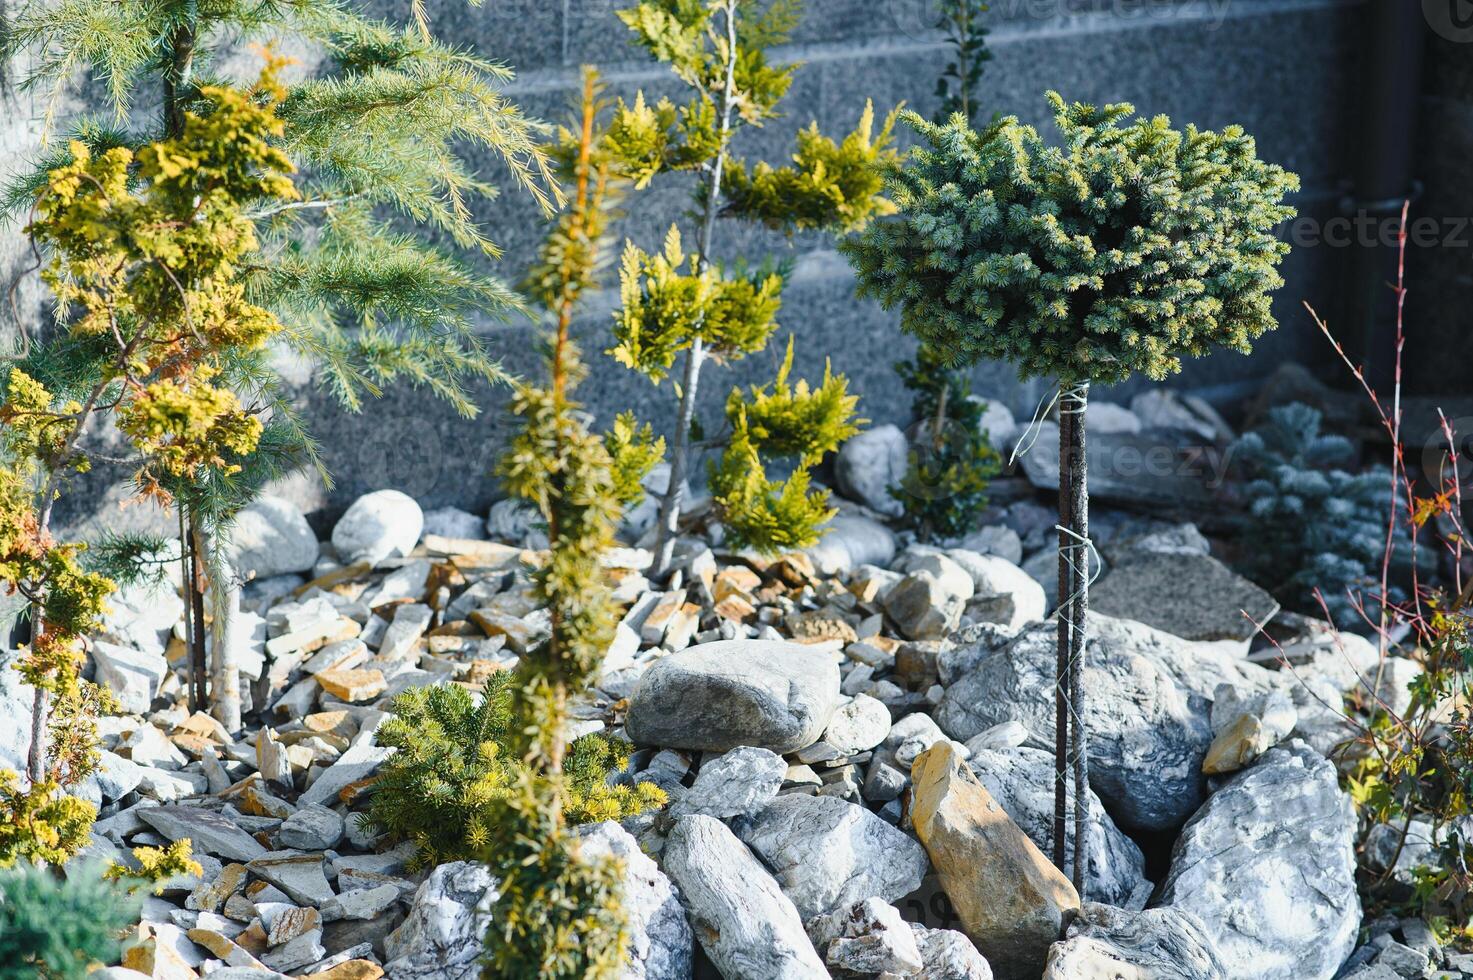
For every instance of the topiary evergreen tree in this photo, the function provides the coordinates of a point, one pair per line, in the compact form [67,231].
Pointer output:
[674,303]
[1123,247]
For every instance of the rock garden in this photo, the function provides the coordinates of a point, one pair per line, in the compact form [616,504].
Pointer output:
[1136,687]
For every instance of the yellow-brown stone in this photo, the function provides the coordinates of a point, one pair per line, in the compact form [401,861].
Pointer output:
[352,970]
[1012,902]
[331,722]
[209,896]
[1237,745]
[353,686]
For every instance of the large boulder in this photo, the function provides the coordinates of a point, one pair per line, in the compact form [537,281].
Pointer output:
[1043,567]
[1195,597]
[1147,734]
[443,936]
[1012,902]
[851,540]
[271,536]
[16,698]
[746,925]
[1002,593]
[1140,469]
[868,465]
[1021,779]
[1162,944]
[133,676]
[716,696]
[1268,866]
[826,852]
[377,526]
[661,945]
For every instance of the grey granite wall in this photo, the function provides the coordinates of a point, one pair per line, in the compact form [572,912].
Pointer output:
[1439,311]
[1281,68]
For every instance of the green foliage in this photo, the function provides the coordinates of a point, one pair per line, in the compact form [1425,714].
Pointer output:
[1315,530]
[145,249]
[958,82]
[689,37]
[156,865]
[633,451]
[132,558]
[787,423]
[1121,248]
[387,126]
[664,309]
[72,731]
[649,139]
[40,823]
[1411,768]
[446,787]
[35,441]
[673,304]
[556,914]
[59,928]
[951,464]
[829,186]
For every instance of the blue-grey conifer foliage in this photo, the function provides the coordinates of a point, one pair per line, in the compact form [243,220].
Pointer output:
[1119,249]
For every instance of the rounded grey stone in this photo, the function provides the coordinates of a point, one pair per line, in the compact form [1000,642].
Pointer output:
[716,696]
[271,537]
[379,525]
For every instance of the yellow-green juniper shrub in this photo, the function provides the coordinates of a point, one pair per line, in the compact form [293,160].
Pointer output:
[447,783]
[780,423]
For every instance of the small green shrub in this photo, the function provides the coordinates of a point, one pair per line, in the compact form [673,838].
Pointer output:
[40,822]
[455,767]
[781,422]
[944,490]
[57,928]
[156,865]
[1314,528]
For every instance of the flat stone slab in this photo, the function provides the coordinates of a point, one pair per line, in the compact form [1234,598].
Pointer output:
[1195,597]
[210,832]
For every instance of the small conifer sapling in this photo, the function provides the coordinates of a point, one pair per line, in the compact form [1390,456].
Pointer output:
[558,914]
[674,303]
